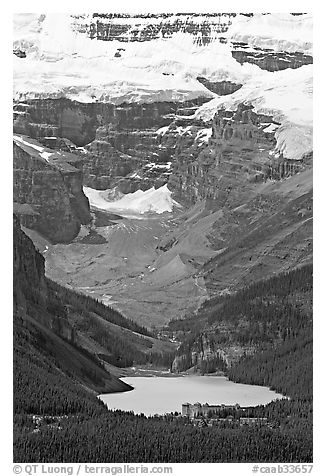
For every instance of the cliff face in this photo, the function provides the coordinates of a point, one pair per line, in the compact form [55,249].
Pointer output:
[264,315]
[218,107]
[208,353]
[222,88]
[122,144]
[42,326]
[238,148]
[268,59]
[140,28]
[61,118]
[30,287]
[136,146]
[28,270]
[203,29]
[51,187]
[143,132]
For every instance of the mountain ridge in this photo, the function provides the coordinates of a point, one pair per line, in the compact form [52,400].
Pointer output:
[163,170]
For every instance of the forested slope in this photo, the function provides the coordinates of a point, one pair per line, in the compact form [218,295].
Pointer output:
[57,420]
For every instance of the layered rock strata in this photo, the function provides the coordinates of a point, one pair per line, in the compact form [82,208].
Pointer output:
[120,145]
[140,28]
[237,148]
[269,60]
[48,191]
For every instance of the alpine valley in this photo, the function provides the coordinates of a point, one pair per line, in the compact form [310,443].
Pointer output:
[162,227]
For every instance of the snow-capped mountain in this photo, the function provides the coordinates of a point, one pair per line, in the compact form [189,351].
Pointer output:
[202,119]
[94,58]
[163,219]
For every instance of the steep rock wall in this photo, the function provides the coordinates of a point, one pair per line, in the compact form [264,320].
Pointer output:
[268,59]
[54,193]
[41,315]
[28,270]
[214,159]
[147,27]
[30,286]
[119,141]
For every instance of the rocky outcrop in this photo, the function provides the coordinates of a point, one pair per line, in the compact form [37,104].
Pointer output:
[147,27]
[258,317]
[19,53]
[212,350]
[268,59]
[204,29]
[119,145]
[205,356]
[78,122]
[56,118]
[137,146]
[28,271]
[42,325]
[31,288]
[48,193]
[222,88]
[236,148]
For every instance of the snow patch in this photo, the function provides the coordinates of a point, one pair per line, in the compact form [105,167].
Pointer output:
[28,143]
[280,32]
[152,165]
[271,128]
[162,130]
[286,96]
[63,62]
[204,134]
[148,201]
[45,155]
[135,175]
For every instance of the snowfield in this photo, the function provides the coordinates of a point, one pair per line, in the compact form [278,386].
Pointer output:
[41,150]
[62,62]
[280,32]
[286,96]
[149,201]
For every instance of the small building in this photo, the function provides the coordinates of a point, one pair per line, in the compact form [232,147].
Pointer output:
[185,409]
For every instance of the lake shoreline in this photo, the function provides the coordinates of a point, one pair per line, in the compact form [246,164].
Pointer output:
[151,372]
[160,395]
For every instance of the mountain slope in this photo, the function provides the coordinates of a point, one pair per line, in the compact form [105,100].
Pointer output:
[49,185]
[85,338]
[197,130]
[213,110]
[260,325]
[56,417]
[41,331]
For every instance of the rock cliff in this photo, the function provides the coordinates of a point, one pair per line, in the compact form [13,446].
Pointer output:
[42,326]
[119,145]
[218,107]
[147,27]
[50,187]
[30,286]
[28,270]
[238,147]
[268,59]
[261,316]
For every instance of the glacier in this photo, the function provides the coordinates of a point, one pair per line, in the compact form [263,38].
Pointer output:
[150,201]
[63,61]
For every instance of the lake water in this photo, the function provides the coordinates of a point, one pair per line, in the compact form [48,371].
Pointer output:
[166,394]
